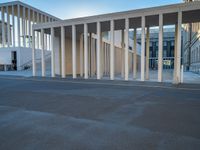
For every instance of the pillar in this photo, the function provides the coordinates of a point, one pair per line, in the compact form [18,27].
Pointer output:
[42,53]
[112,49]
[33,54]
[178,75]
[63,52]
[143,48]
[160,48]
[175,55]
[23,27]
[81,55]
[74,51]
[3,27]
[135,54]
[18,25]
[8,26]
[52,53]
[147,54]
[98,50]
[29,28]
[38,32]
[102,56]
[126,61]
[13,23]
[122,53]
[85,51]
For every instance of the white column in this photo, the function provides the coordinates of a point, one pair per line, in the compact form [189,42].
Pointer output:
[38,32]
[160,48]
[13,23]
[33,53]
[74,51]
[52,53]
[178,78]
[86,51]
[63,51]
[122,54]
[3,27]
[143,48]
[175,55]
[102,57]
[29,28]
[126,62]
[23,27]
[135,54]
[81,55]
[147,54]
[112,50]
[8,26]
[98,50]
[18,25]
[42,53]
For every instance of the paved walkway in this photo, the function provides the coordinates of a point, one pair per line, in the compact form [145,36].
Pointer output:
[189,77]
[49,114]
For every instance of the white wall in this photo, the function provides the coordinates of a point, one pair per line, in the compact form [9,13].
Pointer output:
[5,57]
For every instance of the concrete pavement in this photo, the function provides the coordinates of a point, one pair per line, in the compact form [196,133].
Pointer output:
[49,114]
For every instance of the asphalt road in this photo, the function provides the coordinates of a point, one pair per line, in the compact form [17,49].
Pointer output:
[46,114]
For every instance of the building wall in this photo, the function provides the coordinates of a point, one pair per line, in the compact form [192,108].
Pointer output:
[192,47]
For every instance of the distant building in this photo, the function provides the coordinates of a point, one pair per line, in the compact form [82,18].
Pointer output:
[191,46]
[168,47]
[16,20]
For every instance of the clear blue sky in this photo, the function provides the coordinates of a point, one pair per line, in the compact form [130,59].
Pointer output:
[66,9]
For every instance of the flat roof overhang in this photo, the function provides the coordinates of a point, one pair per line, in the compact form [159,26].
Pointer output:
[190,14]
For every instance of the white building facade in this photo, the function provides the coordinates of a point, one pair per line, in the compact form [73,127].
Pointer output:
[16,20]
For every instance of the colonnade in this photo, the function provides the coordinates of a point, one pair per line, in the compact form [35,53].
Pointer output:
[17,21]
[144,75]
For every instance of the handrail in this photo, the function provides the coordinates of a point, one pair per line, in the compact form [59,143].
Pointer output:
[30,61]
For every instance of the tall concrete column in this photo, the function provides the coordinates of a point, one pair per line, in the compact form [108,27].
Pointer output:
[23,26]
[160,48]
[147,54]
[3,27]
[178,75]
[81,55]
[143,49]
[126,61]
[52,53]
[29,28]
[8,26]
[175,54]
[63,66]
[33,53]
[122,54]
[86,51]
[13,23]
[38,32]
[98,50]
[74,51]
[102,57]
[45,36]
[18,25]
[42,53]
[112,50]
[135,54]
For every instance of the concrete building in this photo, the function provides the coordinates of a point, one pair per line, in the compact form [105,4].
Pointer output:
[191,46]
[72,42]
[168,47]
[16,20]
